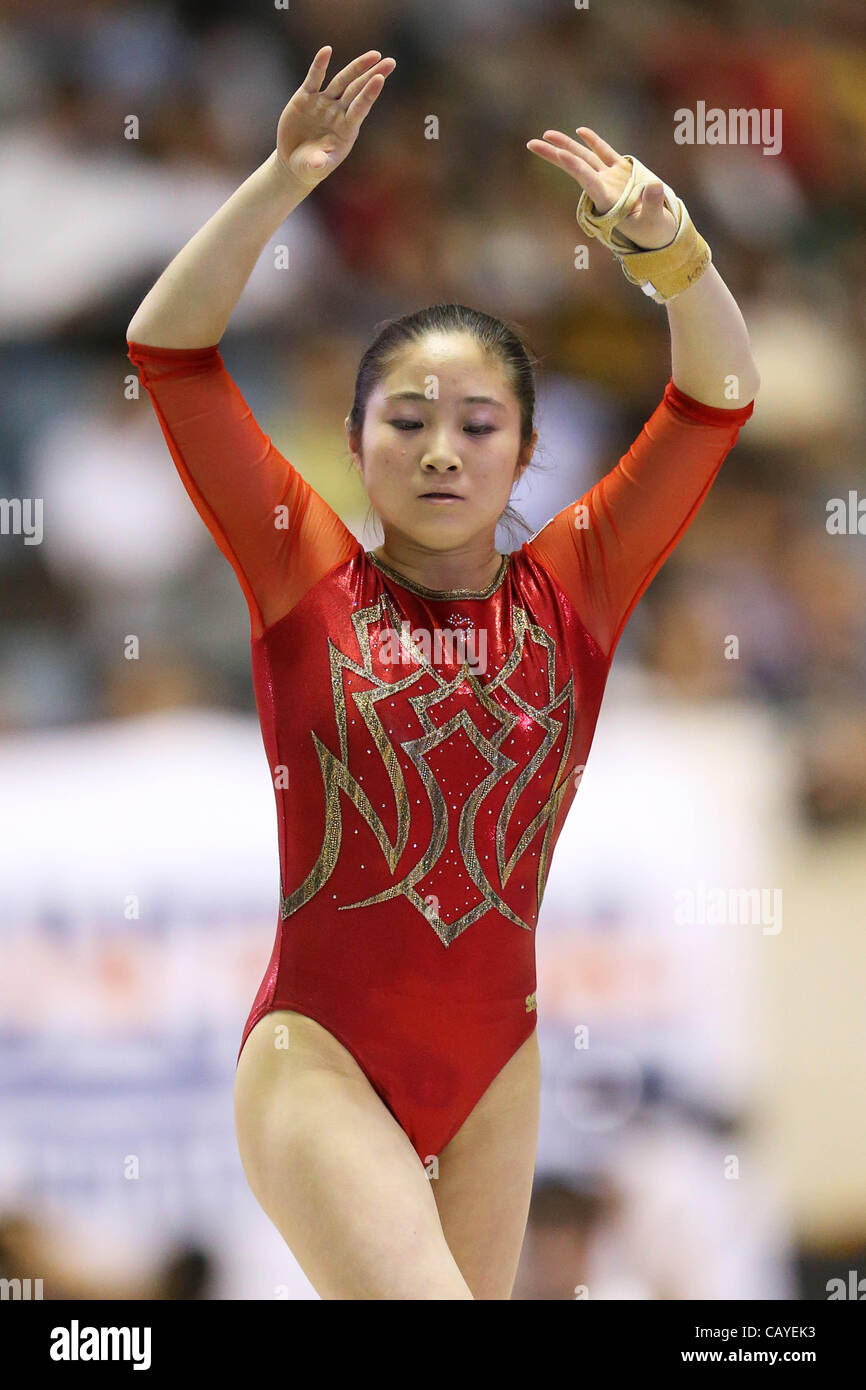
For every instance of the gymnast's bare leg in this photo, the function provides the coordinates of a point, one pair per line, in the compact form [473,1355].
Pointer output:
[334,1171]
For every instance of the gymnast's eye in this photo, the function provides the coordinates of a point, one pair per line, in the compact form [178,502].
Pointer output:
[419,424]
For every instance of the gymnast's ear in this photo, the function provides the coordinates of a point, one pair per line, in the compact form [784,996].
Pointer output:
[525,456]
[354,444]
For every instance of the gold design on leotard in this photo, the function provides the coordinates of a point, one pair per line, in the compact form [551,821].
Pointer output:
[336,775]
[531,1002]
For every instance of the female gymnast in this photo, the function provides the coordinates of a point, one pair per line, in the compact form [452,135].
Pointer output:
[387,1083]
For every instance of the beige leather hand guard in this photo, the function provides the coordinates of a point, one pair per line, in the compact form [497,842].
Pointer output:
[663,273]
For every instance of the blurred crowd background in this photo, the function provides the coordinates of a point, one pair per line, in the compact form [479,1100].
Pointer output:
[91,217]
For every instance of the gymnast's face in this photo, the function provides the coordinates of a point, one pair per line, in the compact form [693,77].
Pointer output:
[444,418]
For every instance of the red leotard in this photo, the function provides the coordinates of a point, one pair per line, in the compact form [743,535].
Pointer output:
[419,801]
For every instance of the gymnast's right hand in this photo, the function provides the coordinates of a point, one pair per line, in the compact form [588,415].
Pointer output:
[318,128]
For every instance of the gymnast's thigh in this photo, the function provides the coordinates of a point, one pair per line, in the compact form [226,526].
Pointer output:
[485,1176]
[333,1170]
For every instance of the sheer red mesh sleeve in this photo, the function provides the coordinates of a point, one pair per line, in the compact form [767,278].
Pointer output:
[605,549]
[277,532]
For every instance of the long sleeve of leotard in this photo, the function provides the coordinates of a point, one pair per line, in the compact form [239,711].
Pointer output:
[605,549]
[277,532]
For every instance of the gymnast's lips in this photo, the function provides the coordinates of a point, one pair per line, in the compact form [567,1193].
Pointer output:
[440,494]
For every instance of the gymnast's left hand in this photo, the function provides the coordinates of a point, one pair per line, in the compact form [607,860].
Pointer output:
[604,174]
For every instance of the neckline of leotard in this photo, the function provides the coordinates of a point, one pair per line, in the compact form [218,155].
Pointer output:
[441,593]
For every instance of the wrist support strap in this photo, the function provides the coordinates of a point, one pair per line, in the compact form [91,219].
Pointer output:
[662,273]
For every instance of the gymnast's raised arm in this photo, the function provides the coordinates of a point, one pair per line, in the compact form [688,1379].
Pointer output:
[279,535]
[606,549]
[192,301]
